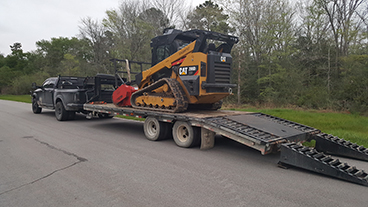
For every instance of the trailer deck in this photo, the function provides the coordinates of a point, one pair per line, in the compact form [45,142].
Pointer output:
[259,131]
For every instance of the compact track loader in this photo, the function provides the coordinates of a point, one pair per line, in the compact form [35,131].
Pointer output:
[190,68]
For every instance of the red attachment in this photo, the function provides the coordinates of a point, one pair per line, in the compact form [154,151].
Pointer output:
[121,96]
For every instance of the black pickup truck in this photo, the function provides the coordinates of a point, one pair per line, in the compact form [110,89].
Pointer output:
[66,94]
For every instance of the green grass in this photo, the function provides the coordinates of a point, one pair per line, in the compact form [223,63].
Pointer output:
[347,126]
[130,117]
[19,98]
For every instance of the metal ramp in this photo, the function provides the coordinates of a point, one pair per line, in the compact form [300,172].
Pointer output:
[271,134]
[333,145]
[310,159]
[262,132]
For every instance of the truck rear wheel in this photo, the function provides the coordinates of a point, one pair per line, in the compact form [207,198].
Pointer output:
[185,135]
[156,130]
[60,113]
[71,115]
[35,108]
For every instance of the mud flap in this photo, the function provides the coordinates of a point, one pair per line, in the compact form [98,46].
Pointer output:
[296,155]
[207,139]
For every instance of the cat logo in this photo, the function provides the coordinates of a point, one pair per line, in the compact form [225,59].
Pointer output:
[183,71]
[223,59]
[188,70]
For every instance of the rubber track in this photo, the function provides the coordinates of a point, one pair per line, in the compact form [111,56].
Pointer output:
[181,103]
[310,159]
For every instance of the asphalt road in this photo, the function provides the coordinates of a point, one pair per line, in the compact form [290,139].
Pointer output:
[44,162]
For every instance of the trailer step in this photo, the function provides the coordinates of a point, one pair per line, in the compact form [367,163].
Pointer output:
[333,145]
[296,155]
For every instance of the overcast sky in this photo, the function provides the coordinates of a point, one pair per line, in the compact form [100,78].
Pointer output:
[29,21]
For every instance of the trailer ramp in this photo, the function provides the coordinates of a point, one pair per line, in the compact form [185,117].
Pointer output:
[326,143]
[310,159]
[333,145]
[314,159]
[270,134]
[253,130]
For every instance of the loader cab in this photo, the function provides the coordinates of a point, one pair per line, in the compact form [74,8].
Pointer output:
[170,42]
[174,40]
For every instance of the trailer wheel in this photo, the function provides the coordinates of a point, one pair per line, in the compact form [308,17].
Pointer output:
[155,130]
[35,108]
[60,113]
[105,116]
[185,135]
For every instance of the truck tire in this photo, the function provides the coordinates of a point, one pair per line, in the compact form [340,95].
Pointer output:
[185,135]
[156,130]
[60,113]
[71,115]
[35,108]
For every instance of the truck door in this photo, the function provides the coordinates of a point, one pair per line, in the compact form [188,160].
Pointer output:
[48,94]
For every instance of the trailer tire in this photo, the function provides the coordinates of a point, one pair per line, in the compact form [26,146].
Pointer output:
[155,130]
[60,113]
[35,108]
[186,135]
[105,116]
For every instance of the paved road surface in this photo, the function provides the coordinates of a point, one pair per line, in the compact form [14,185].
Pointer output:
[83,162]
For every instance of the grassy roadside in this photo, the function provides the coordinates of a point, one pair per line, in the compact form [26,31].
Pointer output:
[347,126]
[19,98]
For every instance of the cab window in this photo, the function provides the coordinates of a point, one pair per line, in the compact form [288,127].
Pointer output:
[162,53]
[49,83]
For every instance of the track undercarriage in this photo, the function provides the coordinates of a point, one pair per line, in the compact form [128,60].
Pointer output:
[165,95]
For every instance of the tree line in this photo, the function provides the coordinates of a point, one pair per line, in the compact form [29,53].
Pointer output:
[310,53]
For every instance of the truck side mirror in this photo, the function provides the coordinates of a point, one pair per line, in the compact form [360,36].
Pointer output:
[34,86]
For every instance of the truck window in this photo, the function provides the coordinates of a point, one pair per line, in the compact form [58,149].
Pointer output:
[49,83]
